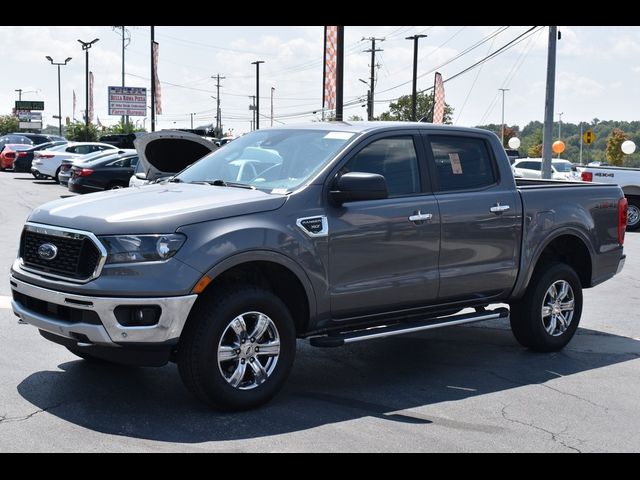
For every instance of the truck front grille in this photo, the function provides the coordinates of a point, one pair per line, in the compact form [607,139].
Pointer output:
[77,256]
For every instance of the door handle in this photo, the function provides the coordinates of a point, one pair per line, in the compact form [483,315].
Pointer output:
[497,208]
[420,217]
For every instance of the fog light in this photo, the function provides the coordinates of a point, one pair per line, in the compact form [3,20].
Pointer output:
[137,315]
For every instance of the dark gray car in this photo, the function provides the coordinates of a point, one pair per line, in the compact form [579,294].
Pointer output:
[333,231]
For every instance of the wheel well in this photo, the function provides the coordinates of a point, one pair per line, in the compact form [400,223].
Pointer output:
[276,278]
[572,251]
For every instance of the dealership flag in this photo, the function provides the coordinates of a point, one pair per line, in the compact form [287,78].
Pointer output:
[156,79]
[90,97]
[438,100]
[330,63]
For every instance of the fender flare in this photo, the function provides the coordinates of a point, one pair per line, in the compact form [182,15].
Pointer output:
[273,257]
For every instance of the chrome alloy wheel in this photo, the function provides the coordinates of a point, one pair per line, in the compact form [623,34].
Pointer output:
[633,215]
[249,340]
[558,308]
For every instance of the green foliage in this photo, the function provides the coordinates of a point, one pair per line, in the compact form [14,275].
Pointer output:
[535,151]
[531,138]
[355,118]
[8,124]
[79,132]
[121,128]
[615,155]
[401,110]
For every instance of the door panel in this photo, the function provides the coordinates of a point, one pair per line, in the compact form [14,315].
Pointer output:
[381,261]
[478,252]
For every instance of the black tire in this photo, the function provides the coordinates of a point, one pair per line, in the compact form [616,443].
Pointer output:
[55,176]
[527,322]
[633,214]
[208,327]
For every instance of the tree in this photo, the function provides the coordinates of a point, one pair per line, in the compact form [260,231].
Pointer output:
[122,127]
[79,132]
[401,110]
[535,151]
[615,155]
[355,118]
[8,124]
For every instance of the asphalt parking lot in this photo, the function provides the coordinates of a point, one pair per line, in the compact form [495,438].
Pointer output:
[456,390]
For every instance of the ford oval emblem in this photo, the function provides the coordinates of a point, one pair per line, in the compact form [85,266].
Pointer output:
[47,251]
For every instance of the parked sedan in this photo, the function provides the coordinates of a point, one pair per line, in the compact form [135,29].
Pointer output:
[532,168]
[67,164]
[47,162]
[9,154]
[25,158]
[105,173]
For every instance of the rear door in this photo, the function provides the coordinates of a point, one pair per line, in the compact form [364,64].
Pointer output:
[480,218]
[381,257]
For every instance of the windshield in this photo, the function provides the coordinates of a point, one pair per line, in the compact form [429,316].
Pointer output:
[279,160]
[562,167]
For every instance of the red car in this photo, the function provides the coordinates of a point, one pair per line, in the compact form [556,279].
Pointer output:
[10,152]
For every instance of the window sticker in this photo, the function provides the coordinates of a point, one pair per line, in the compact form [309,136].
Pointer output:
[456,167]
[338,135]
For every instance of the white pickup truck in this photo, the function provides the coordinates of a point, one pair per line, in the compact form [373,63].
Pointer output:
[626,178]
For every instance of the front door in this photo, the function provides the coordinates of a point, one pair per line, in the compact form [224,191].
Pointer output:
[382,256]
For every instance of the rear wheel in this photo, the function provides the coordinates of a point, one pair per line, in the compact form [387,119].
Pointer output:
[237,349]
[55,175]
[633,214]
[546,319]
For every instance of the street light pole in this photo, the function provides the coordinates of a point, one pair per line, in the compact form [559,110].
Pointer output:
[257,64]
[59,91]
[560,127]
[272,90]
[19,90]
[192,114]
[86,46]
[502,136]
[414,91]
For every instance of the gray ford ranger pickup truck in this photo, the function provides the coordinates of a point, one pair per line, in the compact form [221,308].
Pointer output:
[336,232]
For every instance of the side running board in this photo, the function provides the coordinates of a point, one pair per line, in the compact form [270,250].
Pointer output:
[342,338]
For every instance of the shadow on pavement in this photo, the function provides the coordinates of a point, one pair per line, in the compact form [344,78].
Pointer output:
[384,379]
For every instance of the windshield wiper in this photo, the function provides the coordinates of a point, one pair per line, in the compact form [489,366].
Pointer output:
[223,183]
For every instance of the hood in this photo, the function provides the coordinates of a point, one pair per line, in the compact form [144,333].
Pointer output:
[160,208]
[167,152]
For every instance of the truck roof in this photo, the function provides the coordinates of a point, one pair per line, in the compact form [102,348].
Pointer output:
[360,127]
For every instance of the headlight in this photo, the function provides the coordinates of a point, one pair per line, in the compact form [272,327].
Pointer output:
[141,248]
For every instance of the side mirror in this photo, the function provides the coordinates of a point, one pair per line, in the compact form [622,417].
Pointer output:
[358,186]
[141,176]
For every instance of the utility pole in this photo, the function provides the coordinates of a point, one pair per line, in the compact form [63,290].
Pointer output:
[153,83]
[19,90]
[414,90]
[547,135]
[502,135]
[373,51]
[257,111]
[339,72]
[272,90]
[192,114]
[218,112]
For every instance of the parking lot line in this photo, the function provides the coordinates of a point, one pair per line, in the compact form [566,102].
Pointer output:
[5,302]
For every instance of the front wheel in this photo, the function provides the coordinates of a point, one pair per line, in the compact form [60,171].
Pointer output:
[546,319]
[633,214]
[237,348]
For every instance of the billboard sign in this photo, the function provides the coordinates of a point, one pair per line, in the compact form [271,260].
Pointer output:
[29,116]
[131,101]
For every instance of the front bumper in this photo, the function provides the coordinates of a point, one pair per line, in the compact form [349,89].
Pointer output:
[174,314]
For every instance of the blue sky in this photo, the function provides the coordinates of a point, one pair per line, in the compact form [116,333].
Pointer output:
[598,69]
